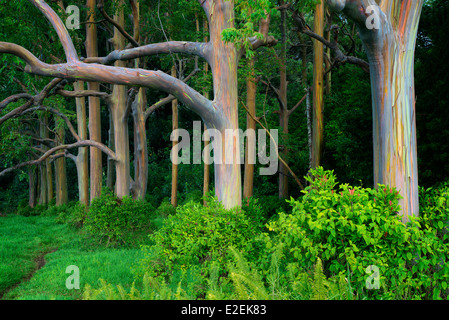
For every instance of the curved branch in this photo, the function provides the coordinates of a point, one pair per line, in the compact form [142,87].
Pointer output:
[83,143]
[83,93]
[117,75]
[59,114]
[200,49]
[58,25]
[34,100]
[14,98]
[339,56]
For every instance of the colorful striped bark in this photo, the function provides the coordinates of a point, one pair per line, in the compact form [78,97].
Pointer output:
[390,44]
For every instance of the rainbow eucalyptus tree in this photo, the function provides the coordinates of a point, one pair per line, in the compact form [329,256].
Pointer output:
[388,30]
[220,113]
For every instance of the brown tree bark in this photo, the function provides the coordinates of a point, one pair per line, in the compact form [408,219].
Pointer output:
[174,166]
[32,184]
[250,146]
[60,171]
[94,107]
[284,112]
[120,114]
[317,90]
[82,159]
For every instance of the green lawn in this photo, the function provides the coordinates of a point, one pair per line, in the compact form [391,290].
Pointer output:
[23,239]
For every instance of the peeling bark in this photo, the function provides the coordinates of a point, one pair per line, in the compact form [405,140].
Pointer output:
[390,49]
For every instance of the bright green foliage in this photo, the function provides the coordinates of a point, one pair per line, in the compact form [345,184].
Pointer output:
[351,228]
[118,220]
[196,235]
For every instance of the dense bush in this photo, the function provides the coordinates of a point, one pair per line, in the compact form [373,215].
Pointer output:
[350,229]
[197,234]
[118,220]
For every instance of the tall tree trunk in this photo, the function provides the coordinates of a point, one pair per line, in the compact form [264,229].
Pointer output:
[250,148]
[110,170]
[43,173]
[94,107]
[228,184]
[43,183]
[390,45]
[60,171]
[139,187]
[120,117]
[140,145]
[82,159]
[174,166]
[317,91]
[283,114]
[32,186]
[206,173]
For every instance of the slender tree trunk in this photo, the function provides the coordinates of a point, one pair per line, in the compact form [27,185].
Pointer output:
[317,91]
[174,166]
[60,172]
[206,175]
[43,173]
[283,114]
[94,107]
[43,183]
[81,161]
[139,187]
[309,126]
[328,78]
[140,145]
[110,170]
[120,117]
[250,148]
[32,186]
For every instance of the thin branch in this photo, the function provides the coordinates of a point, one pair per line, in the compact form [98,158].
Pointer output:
[277,152]
[297,105]
[34,100]
[83,143]
[100,7]
[339,56]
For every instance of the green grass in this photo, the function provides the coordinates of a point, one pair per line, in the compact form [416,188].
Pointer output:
[23,239]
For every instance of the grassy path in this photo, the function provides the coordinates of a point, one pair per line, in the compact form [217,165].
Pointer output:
[36,251]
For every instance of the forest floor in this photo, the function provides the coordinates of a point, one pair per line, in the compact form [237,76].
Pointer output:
[35,253]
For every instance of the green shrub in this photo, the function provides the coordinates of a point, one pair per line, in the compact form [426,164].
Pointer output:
[27,211]
[74,214]
[197,234]
[351,228]
[118,221]
[165,209]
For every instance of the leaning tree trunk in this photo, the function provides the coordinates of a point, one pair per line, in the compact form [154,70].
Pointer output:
[389,38]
